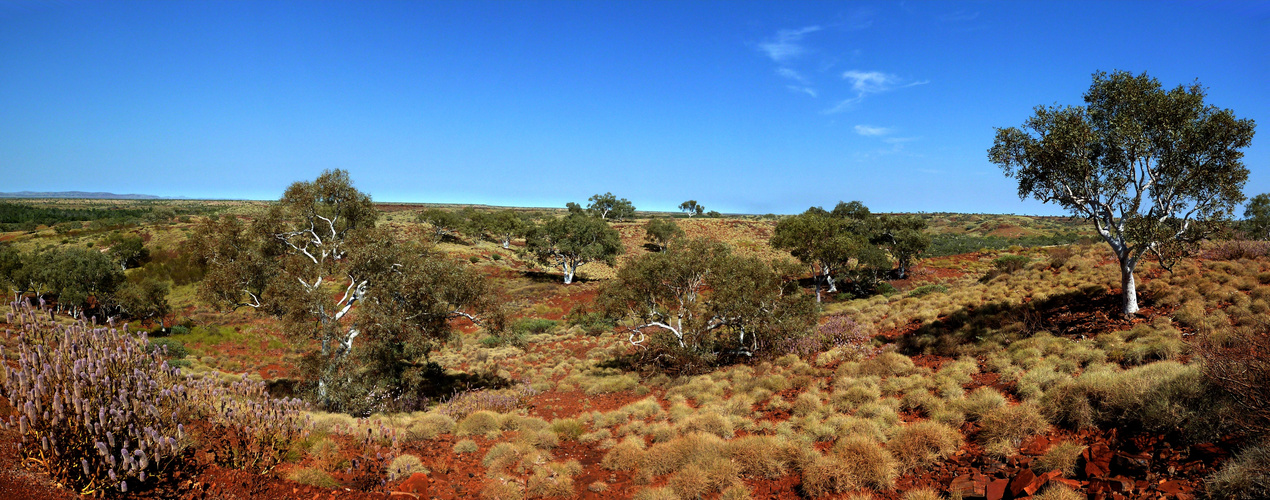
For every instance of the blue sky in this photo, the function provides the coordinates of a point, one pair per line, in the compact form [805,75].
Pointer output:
[750,107]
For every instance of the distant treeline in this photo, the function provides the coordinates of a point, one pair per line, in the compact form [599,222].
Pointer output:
[20,217]
[954,244]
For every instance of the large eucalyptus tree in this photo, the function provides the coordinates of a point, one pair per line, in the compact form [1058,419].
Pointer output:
[1148,167]
[315,258]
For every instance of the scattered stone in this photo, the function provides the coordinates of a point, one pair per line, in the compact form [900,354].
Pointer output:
[1021,481]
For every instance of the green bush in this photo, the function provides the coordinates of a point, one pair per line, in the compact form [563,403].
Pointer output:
[533,325]
[927,290]
[173,348]
[1247,476]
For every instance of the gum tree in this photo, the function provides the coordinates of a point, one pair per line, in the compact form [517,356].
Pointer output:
[661,231]
[707,298]
[573,240]
[606,206]
[691,207]
[1147,167]
[1257,217]
[313,259]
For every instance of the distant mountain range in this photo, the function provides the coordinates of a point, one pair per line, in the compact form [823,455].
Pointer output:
[79,194]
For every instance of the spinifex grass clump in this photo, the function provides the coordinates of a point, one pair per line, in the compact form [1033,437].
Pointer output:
[97,411]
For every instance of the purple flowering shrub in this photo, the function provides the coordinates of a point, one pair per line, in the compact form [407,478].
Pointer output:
[499,401]
[837,331]
[97,412]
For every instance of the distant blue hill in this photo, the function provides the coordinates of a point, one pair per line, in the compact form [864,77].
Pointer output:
[79,194]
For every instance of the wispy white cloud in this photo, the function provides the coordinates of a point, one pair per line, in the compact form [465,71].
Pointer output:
[791,74]
[803,90]
[866,83]
[787,44]
[802,85]
[871,131]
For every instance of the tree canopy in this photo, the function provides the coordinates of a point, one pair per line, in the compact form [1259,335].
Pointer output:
[841,242]
[323,233]
[660,231]
[573,240]
[1146,166]
[691,207]
[1257,217]
[609,207]
[706,299]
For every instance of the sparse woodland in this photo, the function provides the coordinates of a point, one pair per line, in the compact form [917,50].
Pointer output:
[327,346]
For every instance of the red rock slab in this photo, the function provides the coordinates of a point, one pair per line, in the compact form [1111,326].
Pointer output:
[1035,446]
[1097,458]
[1021,481]
[417,485]
[970,486]
[996,489]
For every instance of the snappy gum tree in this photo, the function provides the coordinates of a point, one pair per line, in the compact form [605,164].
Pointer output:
[320,238]
[573,240]
[1147,166]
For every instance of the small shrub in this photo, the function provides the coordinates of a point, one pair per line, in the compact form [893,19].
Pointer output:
[466,446]
[1061,457]
[403,466]
[927,290]
[924,443]
[569,429]
[1059,492]
[627,455]
[761,456]
[313,477]
[1247,476]
[922,494]
[474,259]
[533,325]
[1010,425]
[429,426]
[172,348]
[479,423]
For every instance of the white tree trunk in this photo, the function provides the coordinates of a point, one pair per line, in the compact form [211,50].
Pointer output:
[568,272]
[1130,290]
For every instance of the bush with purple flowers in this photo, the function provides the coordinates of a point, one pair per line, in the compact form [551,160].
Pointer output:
[98,411]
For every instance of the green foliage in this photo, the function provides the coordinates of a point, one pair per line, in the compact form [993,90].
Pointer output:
[956,244]
[927,290]
[127,250]
[533,325]
[691,207]
[405,294]
[444,223]
[1245,477]
[572,241]
[660,231]
[1257,217]
[609,207]
[1149,167]
[171,348]
[15,215]
[144,299]
[706,299]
